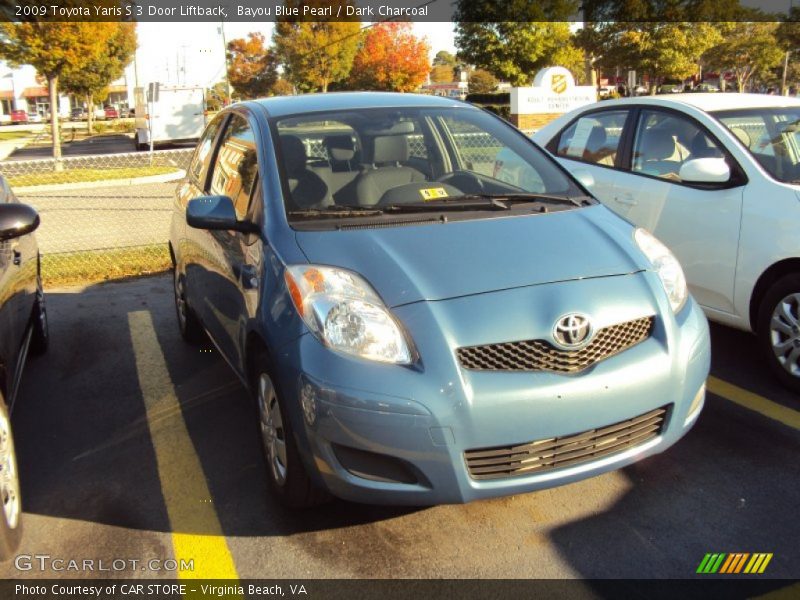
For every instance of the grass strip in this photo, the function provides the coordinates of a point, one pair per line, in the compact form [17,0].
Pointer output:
[103,265]
[86,175]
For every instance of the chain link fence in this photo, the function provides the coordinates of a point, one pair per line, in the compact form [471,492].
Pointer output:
[92,232]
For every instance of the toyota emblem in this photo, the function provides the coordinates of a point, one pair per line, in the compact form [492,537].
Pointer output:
[572,331]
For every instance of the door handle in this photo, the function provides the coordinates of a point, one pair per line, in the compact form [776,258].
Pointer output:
[246,275]
[17,257]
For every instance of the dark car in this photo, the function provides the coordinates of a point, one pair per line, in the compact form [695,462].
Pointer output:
[23,330]
[405,320]
[78,114]
[111,112]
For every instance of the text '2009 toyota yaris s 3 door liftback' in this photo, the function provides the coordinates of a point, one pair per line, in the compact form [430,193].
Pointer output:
[414,330]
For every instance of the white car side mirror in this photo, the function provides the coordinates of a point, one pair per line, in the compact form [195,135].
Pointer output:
[705,170]
[585,178]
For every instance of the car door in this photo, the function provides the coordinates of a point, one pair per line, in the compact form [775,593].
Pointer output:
[592,143]
[229,281]
[700,223]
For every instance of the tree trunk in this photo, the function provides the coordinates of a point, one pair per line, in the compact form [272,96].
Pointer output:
[783,77]
[54,130]
[324,86]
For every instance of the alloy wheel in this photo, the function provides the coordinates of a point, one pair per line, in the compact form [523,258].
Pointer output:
[272,431]
[784,331]
[9,480]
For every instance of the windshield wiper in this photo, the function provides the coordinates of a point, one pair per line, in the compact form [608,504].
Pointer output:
[458,203]
[531,197]
[339,211]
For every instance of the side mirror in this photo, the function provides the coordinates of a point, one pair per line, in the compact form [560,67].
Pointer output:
[17,220]
[215,213]
[585,178]
[705,170]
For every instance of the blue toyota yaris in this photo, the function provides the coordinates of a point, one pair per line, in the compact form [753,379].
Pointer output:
[415,330]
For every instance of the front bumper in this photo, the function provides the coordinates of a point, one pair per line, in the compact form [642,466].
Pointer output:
[397,435]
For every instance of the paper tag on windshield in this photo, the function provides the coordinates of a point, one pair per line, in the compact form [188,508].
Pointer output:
[433,193]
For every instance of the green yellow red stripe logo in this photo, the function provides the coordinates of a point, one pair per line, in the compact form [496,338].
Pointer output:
[734,563]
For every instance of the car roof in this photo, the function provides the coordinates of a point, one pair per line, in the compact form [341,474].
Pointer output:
[710,102]
[279,106]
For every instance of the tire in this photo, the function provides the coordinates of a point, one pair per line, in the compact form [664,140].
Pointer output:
[11,513]
[188,323]
[287,477]
[778,330]
[40,338]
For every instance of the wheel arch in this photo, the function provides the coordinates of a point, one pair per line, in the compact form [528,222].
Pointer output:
[765,281]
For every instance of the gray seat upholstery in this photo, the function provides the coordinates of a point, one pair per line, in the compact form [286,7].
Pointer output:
[307,188]
[386,169]
[341,168]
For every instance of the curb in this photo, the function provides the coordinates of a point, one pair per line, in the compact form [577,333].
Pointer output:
[59,187]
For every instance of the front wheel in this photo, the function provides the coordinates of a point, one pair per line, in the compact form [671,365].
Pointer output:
[10,516]
[188,323]
[778,329]
[287,477]
[40,338]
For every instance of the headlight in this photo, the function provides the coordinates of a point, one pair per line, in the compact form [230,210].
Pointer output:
[666,265]
[346,314]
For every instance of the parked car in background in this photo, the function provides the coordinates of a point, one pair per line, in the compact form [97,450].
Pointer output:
[23,330]
[671,88]
[717,178]
[414,330]
[111,112]
[19,116]
[706,87]
[78,114]
[35,117]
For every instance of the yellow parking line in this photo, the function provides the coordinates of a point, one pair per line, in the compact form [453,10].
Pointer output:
[196,531]
[754,402]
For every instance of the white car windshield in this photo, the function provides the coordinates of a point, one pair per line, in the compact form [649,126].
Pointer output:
[771,136]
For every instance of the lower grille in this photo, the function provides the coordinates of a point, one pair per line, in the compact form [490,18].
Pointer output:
[554,453]
[541,355]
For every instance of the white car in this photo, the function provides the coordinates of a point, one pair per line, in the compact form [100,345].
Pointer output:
[717,178]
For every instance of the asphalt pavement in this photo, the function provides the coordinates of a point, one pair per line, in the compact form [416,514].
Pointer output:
[134,445]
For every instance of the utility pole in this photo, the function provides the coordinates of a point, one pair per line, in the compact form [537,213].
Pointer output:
[225,54]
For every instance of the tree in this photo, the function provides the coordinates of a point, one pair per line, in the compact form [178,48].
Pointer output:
[216,96]
[746,49]
[282,88]
[788,36]
[390,57]
[444,58]
[52,49]
[481,82]
[441,74]
[92,78]
[252,68]
[514,39]
[316,54]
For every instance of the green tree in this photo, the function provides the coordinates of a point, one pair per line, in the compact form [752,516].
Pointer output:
[52,49]
[216,96]
[747,49]
[482,82]
[515,39]
[316,54]
[445,59]
[441,74]
[92,78]
[252,67]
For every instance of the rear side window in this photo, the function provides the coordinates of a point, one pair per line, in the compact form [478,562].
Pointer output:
[593,138]
[236,166]
[202,156]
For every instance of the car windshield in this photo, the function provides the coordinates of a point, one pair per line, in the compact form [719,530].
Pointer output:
[377,162]
[771,136]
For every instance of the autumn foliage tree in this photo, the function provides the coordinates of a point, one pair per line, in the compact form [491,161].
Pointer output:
[252,68]
[390,58]
[52,49]
[92,78]
[316,54]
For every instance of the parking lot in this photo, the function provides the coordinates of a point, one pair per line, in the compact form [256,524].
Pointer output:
[133,445]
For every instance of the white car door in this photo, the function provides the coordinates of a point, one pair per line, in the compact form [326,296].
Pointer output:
[699,223]
[591,144]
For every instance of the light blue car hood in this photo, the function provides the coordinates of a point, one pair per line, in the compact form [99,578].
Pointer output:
[408,264]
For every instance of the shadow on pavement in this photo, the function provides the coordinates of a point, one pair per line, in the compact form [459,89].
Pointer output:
[83,439]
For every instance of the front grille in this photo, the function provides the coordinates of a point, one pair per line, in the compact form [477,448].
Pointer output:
[554,453]
[541,355]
